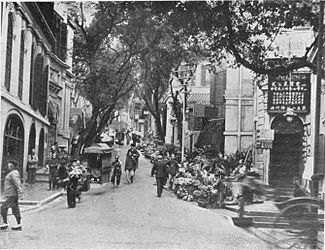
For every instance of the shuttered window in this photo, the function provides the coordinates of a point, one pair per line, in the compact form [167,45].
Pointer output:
[9,52]
[21,66]
[31,83]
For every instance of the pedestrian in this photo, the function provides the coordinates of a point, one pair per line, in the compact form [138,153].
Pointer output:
[131,163]
[62,172]
[172,171]
[32,167]
[160,171]
[53,164]
[13,191]
[117,171]
[74,186]
[128,137]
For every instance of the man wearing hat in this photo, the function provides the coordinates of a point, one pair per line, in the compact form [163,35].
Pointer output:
[13,191]
[117,171]
[63,161]
[131,163]
[160,170]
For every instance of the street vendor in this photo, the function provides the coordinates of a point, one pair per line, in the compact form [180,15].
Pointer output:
[74,182]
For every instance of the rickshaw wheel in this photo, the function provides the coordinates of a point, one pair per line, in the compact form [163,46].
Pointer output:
[300,230]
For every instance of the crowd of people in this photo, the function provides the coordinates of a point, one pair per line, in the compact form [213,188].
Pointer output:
[203,170]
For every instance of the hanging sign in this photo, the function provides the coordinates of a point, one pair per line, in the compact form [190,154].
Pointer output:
[287,91]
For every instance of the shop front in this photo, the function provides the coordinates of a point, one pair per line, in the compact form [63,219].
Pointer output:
[283,145]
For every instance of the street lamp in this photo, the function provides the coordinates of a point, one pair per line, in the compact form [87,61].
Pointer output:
[184,73]
[173,123]
[289,115]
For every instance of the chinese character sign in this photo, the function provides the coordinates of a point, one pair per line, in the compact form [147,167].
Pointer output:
[287,91]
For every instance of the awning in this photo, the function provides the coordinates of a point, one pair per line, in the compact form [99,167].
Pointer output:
[212,134]
[98,148]
[199,98]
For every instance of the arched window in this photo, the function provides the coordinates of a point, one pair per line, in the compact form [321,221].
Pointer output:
[37,82]
[21,65]
[43,92]
[9,51]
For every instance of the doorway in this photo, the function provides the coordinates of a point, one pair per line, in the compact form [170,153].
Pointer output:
[13,145]
[41,148]
[32,138]
[286,154]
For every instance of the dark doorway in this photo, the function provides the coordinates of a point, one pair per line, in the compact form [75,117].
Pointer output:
[41,148]
[13,145]
[32,138]
[286,154]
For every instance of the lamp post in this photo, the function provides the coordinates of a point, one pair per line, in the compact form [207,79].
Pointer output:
[173,123]
[184,73]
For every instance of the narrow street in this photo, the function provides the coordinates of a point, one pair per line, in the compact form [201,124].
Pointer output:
[130,216]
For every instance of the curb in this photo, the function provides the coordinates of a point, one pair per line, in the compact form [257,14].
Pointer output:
[50,198]
[37,204]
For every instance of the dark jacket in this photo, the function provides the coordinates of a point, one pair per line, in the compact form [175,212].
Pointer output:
[131,161]
[173,167]
[117,168]
[160,168]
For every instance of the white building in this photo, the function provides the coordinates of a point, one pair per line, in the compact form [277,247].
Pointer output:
[35,81]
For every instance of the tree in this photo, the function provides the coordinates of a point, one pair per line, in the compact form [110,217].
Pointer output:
[243,29]
[163,54]
[104,55]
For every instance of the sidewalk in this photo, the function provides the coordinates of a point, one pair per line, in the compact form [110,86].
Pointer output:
[36,196]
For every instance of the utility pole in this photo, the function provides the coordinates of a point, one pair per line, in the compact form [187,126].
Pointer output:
[318,95]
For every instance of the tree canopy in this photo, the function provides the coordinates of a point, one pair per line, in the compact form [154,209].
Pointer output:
[141,43]
[244,29]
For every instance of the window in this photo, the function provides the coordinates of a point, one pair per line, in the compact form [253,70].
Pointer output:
[21,66]
[9,52]
[38,82]
[31,85]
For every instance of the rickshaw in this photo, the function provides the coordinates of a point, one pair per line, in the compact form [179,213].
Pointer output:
[98,159]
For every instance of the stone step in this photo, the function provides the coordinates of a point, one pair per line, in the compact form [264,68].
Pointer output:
[280,225]
[42,177]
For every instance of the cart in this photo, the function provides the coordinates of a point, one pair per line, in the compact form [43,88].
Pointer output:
[98,159]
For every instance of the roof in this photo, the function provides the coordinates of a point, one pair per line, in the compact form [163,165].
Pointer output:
[199,98]
[98,148]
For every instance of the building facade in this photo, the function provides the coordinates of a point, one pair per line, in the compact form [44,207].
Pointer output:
[34,76]
[285,120]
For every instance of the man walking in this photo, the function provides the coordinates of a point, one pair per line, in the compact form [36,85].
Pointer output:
[160,170]
[172,171]
[13,191]
[117,171]
[131,163]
